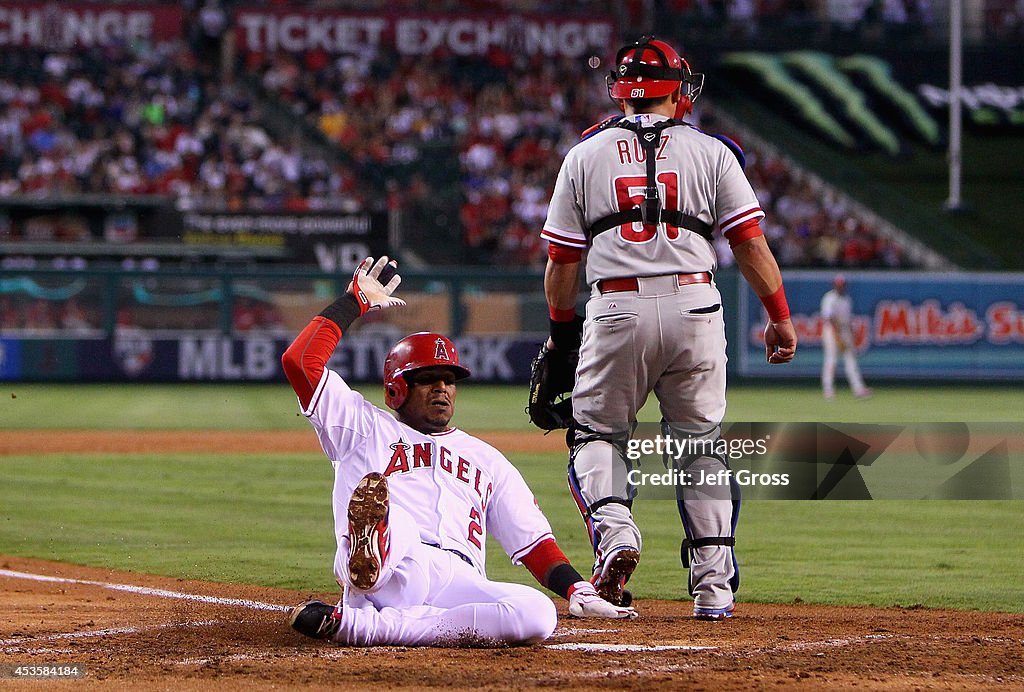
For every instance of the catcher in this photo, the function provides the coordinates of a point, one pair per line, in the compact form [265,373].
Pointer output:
[644,194]
[414,499]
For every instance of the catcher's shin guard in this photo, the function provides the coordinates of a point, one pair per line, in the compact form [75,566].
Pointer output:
[709,521]
[598,472]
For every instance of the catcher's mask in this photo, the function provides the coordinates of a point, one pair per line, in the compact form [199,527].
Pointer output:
[658,71]
[416,351]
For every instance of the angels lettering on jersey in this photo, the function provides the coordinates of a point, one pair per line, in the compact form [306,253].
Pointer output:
[456,487]
[408,458]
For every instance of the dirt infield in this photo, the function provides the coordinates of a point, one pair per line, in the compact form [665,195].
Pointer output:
[132,630]
[152,636]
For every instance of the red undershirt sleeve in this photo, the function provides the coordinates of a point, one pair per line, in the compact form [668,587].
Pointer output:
[563,254]
[744,232]
[305,359]
[551,568]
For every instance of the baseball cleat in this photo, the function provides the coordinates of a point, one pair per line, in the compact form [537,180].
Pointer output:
[315,619]
[713,614]
[368,531]
[612,578]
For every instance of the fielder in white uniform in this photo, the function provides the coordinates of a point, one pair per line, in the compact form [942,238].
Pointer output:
[642,195]
[415,498]
[837,339]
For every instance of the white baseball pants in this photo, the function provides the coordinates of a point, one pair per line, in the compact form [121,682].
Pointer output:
[830,348]
[662,339]
[427,596]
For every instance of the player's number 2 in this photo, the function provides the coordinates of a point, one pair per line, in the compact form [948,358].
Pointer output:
[629,193]
[475,529]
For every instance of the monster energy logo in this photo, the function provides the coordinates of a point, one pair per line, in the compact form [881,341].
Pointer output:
[791,76]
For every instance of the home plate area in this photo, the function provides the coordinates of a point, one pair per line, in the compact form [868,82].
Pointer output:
[126,628]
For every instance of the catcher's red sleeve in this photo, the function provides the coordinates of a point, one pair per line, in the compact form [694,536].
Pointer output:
[304,361]
[562,254]
[744,232]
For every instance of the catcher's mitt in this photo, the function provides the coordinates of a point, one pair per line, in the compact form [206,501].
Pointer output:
[552,375]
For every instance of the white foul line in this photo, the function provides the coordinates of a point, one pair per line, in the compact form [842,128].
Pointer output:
[103,632]
[613,648]
[147,591]
[574,631]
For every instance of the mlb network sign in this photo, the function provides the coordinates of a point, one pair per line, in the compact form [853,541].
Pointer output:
[905,325]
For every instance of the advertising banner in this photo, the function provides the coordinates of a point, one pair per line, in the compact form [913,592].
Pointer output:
[294,30]
[905,325]
[332,241]
[79,25]
[134,355]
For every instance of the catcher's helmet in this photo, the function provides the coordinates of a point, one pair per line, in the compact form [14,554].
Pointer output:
[416,351]
[658,71]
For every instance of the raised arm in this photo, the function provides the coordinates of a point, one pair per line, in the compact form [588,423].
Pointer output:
[370,289]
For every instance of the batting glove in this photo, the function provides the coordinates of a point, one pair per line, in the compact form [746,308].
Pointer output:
[374,282]
[585,603]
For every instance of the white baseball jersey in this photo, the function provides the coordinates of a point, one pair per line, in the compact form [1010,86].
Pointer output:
[837,307]
[455,486]
[606,174]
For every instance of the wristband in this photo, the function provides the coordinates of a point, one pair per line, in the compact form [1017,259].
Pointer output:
[567,335]
[559,315]
[776,305]
[343,312]
[563,580]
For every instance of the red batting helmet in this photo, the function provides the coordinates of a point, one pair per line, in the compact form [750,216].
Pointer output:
[416,351]
[657,72]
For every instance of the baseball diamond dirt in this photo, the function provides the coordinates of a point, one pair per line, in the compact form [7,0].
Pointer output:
[128,629]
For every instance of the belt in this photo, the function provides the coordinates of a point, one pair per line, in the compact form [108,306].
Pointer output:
[453,551]
[633,284]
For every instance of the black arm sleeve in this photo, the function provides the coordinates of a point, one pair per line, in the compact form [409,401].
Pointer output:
[562,577]
[343,312]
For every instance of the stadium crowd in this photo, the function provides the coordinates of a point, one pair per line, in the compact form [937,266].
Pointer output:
[162,120]
[147,121]
[511,119]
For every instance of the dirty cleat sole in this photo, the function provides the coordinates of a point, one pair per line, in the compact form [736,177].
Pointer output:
[368,530]
[611,580]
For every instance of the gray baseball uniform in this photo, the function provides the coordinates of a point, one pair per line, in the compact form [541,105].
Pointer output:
[837,311]
[654,324]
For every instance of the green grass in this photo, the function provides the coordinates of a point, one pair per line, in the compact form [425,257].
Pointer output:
[263,520]
[267,519]
[149,407]
[480,407]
